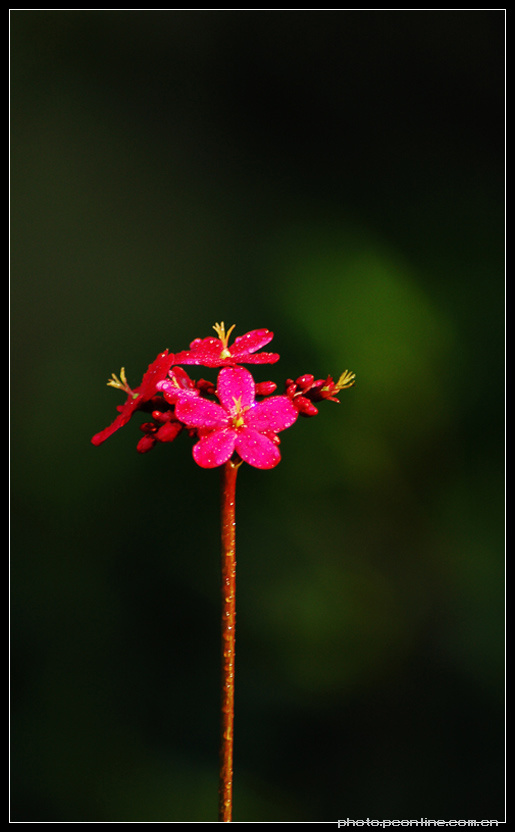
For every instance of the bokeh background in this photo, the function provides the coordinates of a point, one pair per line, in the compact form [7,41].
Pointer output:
[336,177]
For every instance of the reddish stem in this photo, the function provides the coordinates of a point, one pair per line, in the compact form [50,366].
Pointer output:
[228,506]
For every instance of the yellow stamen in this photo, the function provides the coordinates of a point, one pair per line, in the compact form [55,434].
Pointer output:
[238,419]
[224,338]
[120,383]
[347,379]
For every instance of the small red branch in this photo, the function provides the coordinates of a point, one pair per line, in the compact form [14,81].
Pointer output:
[228,586]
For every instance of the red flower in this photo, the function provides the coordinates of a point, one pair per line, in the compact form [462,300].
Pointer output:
[139,397]
[329,389]
[238,423]
[305,390]
[215,352]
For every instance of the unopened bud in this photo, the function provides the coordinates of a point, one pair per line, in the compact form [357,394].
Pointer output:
[304,406]
[305,381]
[265,388]
[145,444]
[168,432]
[205,386]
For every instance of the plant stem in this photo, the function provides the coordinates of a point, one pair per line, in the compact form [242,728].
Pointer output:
[228,587]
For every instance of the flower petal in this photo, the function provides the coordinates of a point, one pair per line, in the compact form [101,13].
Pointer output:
[275,414]
[118,423]
[251,341]
[235,384]
[196,412]
[215,448]
[205,351]
[259,358]
[256,449]
[173,392]
[156,372]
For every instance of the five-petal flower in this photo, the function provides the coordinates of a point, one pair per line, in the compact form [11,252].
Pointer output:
[238,424]
[216,352]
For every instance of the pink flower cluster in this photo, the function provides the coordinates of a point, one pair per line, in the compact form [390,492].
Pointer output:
[226,420]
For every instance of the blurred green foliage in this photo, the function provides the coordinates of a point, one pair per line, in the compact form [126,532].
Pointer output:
[336,177]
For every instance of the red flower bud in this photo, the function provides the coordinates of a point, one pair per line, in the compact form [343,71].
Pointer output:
[206,387]
[145,444]
[169,431]
[305,382]
[304,406]
[265,388]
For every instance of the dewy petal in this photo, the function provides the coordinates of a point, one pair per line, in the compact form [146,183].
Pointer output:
[205,351]
[246,344]
[251,341]
[259,358]
[215,449]
[256,449]
[157,371]
[196,412]
[235,384]
[275,414]
[172,393]
[178,384]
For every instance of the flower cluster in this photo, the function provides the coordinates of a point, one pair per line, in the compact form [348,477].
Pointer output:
[225,419]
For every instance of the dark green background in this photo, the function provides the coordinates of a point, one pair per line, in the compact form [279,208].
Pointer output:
[336,177]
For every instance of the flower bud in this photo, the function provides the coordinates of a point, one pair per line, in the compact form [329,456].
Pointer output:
[304,406]
[265,388]
[305,381]
[206,387]
[145,444]
[168,432]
